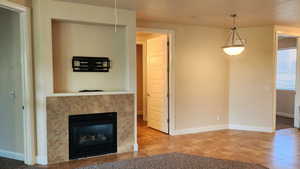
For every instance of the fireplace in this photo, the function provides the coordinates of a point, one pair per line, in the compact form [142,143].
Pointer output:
[92,135]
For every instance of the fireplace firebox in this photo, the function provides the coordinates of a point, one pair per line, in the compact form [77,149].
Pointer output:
[92,135]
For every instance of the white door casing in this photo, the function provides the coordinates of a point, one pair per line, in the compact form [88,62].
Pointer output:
[27,78]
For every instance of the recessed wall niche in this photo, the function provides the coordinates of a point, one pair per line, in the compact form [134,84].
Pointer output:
[91,40]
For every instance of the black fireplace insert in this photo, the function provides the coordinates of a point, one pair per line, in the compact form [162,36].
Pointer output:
[92,135]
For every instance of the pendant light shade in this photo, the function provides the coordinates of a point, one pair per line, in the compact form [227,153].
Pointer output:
[235,44]
[233,50]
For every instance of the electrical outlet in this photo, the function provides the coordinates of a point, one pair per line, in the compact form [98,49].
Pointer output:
[218,118]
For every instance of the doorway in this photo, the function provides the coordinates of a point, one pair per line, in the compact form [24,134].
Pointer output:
[286,71]
[11,121]
[16,85]
[153,81]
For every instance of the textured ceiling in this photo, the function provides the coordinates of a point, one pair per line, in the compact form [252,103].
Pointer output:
[211,12]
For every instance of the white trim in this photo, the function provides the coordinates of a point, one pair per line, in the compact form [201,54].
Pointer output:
[199,129]
[153,30]
[12,6]
[274,78]
[220,127]
[297,95]
[12,155]
[279,30]
[27,79]
[41,160]
[28,100]
[172,80]
[171,35]
[90,93]
[135,147]
[284,114]
[251,128]
[287,48]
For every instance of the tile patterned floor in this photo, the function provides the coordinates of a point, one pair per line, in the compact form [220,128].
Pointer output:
[280,150]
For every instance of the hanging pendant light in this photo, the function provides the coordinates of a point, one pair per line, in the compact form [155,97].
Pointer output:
[235,44]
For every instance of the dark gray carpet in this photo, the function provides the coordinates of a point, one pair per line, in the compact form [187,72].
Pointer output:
[6,163]
[175,161]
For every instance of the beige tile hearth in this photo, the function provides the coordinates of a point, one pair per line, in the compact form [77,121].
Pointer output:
[60,108]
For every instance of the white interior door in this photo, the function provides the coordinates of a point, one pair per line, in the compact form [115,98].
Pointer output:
[11,93]
[157,80]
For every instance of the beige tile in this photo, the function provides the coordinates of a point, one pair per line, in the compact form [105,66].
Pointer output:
[60,108]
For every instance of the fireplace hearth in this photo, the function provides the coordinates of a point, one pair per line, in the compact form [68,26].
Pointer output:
[92,135]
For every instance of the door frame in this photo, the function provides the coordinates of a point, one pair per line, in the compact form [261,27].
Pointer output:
[171,79]
[297,95]
[281,31]
[27,78]
[144,46]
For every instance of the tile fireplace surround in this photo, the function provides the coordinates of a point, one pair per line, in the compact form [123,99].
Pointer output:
[59,108]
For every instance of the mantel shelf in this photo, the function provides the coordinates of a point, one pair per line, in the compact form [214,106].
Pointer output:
[92,93]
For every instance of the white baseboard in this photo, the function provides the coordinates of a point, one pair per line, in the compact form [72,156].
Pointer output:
[11,155]
[41,160]
[135,147]
[199,130]
[283,114]
[221,127]
[250,128]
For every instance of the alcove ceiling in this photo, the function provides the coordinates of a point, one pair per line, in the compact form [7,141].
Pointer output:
[210,12]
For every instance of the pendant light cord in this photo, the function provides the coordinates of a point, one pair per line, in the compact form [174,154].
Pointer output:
[233,20]
[116,15]
[233,28]
[234,31]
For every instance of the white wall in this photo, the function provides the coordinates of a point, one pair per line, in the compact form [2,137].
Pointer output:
[204,74]
[201,76]
[201,72]
[95,40]
[44,11]
[252,81]
[11,119]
